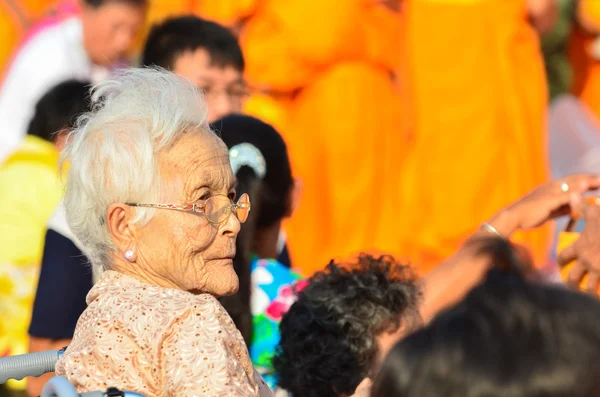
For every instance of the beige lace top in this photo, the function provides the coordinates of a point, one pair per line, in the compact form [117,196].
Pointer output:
[158,342]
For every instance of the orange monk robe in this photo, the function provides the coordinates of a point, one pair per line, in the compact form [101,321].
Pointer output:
[225,12]
[11,33]
[478,95]
[334,59]
[287,43]
[272,110]
[13,26]
[345,147]
[584,54]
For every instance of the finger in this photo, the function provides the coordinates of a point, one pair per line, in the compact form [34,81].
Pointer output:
[558,204]
[576,275]
[592,283]
[587,209]
[580,183]
[567,256]
[577,206]
[565,203]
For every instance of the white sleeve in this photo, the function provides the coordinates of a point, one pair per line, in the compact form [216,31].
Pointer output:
[37,68]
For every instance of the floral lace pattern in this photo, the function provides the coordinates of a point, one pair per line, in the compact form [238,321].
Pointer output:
[158,342]
[273,287]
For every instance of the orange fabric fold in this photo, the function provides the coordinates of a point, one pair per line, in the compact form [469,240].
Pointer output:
[478,94]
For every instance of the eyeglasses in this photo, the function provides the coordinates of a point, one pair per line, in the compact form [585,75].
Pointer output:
[237,93]
[215,209]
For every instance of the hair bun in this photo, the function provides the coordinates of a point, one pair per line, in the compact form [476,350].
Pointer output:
[246,154]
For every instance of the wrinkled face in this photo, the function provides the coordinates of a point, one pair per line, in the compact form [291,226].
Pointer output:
[181,247]
[110,30]
[223,86]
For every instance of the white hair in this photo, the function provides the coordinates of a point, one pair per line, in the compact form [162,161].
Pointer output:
[112,150]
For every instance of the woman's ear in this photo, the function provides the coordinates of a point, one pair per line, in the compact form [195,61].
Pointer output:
[119,221]
[294,196]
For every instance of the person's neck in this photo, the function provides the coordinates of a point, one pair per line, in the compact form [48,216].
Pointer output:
[142,273]
[266,241]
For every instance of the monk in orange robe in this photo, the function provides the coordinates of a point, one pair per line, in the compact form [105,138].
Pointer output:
[584,54]
[344,141]
[331,64]
[476,84]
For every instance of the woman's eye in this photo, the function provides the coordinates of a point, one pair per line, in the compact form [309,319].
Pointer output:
[204,197]
[231,196]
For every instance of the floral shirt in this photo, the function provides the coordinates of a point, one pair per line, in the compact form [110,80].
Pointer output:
[273,287]
[158,342]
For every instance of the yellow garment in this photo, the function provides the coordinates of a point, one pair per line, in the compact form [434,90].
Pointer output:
[30,191]
[479,98]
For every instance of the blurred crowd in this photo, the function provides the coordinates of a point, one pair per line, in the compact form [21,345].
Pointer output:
[358,133]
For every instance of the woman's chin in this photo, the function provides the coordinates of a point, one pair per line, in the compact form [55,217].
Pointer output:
[228,283]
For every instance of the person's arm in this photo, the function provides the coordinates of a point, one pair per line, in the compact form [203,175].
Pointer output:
[543,14]
[65,279]
[452,279]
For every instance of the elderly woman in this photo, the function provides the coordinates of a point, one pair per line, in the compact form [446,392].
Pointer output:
[151,196]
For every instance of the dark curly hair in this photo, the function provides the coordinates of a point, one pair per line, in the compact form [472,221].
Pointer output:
[328,336]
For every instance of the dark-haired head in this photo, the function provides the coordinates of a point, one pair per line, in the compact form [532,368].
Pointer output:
[173,37]
[270,189]
[204,52]
[330,338]
[277,183]
[110,28]
[57,111]
[508,337]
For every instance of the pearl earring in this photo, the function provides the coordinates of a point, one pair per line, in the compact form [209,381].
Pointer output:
[129,254]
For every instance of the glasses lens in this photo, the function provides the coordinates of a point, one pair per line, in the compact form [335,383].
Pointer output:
[243,207]
[217,208]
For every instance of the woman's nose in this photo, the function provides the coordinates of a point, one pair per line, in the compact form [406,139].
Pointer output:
[231,227]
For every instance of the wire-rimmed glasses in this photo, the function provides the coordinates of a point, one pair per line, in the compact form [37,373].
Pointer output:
[216,209]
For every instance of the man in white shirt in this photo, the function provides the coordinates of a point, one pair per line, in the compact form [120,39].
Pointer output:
[85,47]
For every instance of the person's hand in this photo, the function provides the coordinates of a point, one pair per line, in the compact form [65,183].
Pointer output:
[586,250]
[547,202]
[363,389]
